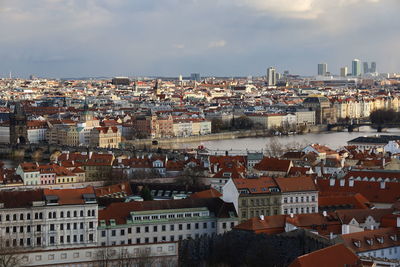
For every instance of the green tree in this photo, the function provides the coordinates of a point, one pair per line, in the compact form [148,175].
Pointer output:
[217,125]
[242,123]
[146,194]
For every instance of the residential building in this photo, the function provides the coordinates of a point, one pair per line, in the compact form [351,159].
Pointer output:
[164,221]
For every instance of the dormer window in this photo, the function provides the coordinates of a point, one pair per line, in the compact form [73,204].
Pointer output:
[380,239]
[393,237]
[370,242]
[226,174]
[357,243]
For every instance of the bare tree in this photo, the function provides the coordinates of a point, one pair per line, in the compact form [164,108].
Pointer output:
[191,177]
[9,256]
[276,149]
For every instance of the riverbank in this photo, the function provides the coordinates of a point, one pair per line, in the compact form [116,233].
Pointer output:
[167,143]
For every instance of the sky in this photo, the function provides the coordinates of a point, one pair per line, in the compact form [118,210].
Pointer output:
[82,38]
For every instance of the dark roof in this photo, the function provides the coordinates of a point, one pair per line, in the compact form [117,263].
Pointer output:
[381,139]
[20,199]
[121,211]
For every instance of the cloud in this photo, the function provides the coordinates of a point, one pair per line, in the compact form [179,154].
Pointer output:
[298,9]
[216,44]
[179,46]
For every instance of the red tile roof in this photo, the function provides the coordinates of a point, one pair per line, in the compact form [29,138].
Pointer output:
[296,184]
[372,239]
[69,196]
[333,256]
[371,190]
[274,165]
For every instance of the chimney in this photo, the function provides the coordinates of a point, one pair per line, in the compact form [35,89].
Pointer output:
[262,217]
[120,160]
[383,162]
[291,215]
[90,154]
[382,185]
[332,182]
[351,182]
[342,182]
[398,222]
[324,213]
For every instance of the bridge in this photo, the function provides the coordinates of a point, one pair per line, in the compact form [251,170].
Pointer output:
[351,126]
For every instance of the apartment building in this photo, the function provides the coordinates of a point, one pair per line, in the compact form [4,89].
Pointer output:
[271,196]
[62,218]
[109,137]
[164,221]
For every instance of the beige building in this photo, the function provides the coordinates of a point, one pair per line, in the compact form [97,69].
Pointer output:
[62,134]
[109,137]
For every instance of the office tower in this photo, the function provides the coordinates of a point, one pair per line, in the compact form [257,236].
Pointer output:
[373,67]
[271,76]
[343,72]
[356,67]
[195,77]
[365,68]
[322,69]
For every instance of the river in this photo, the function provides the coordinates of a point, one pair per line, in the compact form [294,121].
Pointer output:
[331,139]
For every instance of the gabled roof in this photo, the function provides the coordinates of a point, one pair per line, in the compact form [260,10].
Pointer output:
[273,164]
[360,215]
[256,186]
[210,193]
[296,184]
[269,224]
[371,239]
[333,256]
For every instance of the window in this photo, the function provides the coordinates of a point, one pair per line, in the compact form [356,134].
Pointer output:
[38,228]
[52,241]
[180,226]
[137,240]
[122,232]
[223,225]
[91,239]
[213,224]
[196,225]
[68,214]
[146,229]
[52,228]
[188,226]
[155,228]
[62,239]
[113,232]
[205,225]
[163,228]
[103,233]
[137,229]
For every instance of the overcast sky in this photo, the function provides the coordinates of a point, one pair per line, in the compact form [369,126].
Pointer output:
[75,38]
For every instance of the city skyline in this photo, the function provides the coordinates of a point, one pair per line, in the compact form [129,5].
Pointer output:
[167,38]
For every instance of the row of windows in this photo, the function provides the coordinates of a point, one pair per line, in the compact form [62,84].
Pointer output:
[298,199]
[155,239]
[51,215]
[162,228]
[52,227]
[52,240]
[260,202]
[299,210]
[169,216]
[259,212]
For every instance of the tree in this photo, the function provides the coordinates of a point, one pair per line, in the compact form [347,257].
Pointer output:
[9,256]
[382,116]
[191,176]
[242,123]
[217,125]
[146,194]
[276,149]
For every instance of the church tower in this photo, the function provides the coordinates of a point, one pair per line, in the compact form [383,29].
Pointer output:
[18,126]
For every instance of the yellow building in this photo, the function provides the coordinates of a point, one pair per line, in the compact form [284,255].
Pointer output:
[108,137]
